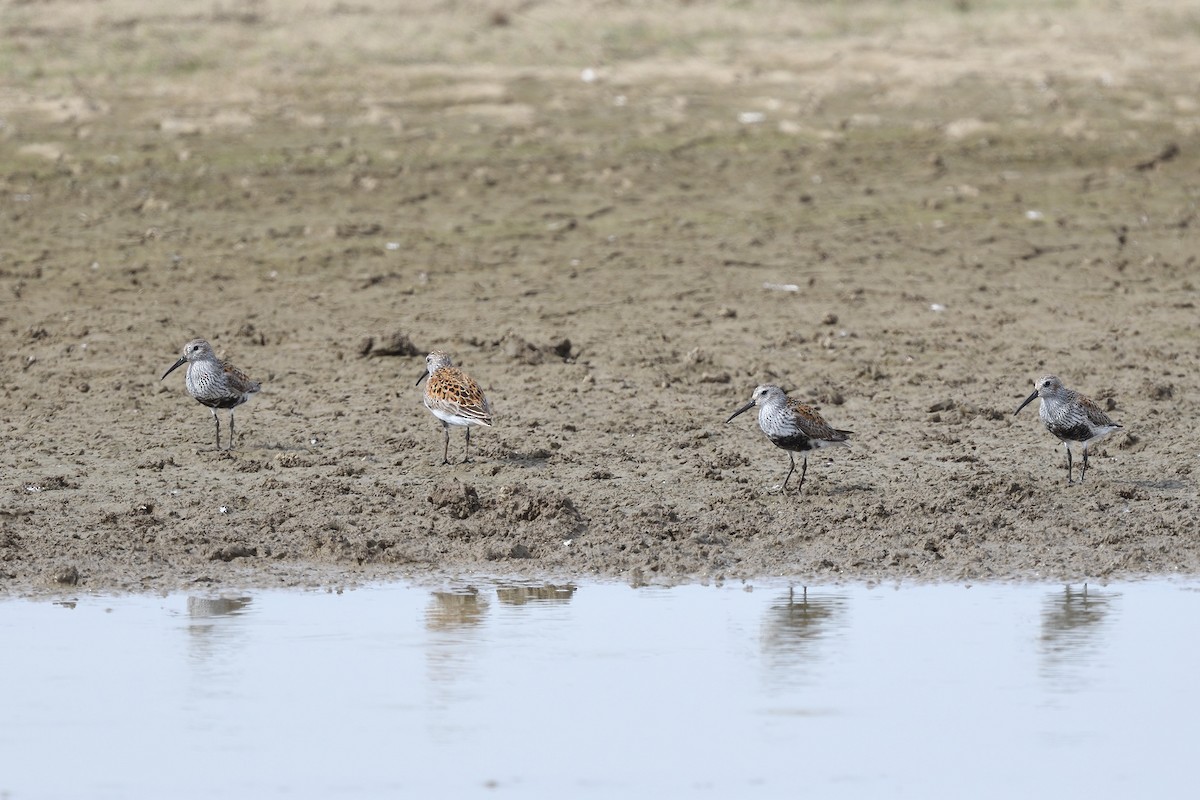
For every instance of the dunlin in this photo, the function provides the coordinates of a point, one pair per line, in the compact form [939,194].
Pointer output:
[1070,416]
[455,398]
[215,383]
[791,425]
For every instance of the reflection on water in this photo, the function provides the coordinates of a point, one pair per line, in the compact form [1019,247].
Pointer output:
[450,611]
[468,606]
[216,606]
[520,595]
[209,627]
[1072,638]
[214,637]
[793,629]
[456,621]
[604,691]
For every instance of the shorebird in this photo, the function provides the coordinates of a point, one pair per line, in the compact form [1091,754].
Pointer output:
[213,382]
[791,425]
[455,398]
[1070,416]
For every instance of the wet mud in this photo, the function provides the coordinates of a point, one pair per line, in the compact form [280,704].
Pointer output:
[619,219]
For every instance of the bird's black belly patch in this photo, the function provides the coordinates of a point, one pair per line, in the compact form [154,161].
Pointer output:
[1076,433]
[798,443]
[221,402]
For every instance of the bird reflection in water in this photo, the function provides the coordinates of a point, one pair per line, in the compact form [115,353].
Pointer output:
[216,606]
[1073,623]
[520,595]
[793,629]
[453,610]
[211,625]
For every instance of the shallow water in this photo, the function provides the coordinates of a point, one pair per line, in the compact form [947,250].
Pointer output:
[604,690]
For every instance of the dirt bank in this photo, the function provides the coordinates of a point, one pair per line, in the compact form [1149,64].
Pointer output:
[619,220]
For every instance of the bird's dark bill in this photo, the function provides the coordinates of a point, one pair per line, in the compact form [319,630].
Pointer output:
[174,367]
[746,407]
[1028,400]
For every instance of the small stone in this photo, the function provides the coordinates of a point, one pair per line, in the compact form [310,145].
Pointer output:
[68,576]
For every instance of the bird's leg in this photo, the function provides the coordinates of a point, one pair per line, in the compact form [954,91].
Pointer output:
[231,429]
[1068,461]
[803,470]
[791,469]
[217,420]
[467,452]
[446,449]
[1082,471]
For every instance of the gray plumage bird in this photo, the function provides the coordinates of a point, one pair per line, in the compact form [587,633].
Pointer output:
[1069,416]
[792,426]
[213,382]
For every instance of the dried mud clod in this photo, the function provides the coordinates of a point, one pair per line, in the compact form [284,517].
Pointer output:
[156,464]
[459,500]
[9,542]
[66,576]
[520,349]
[1159,391]
[517,504]
[396,343]
[49,483]
[230,552]
[514,523]
[252,334]
[518,550]
[292,460]
[1131,493]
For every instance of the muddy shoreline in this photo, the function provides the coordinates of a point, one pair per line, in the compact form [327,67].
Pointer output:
[903,239]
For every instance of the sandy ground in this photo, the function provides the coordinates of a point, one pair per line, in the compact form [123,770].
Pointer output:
[620,218]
